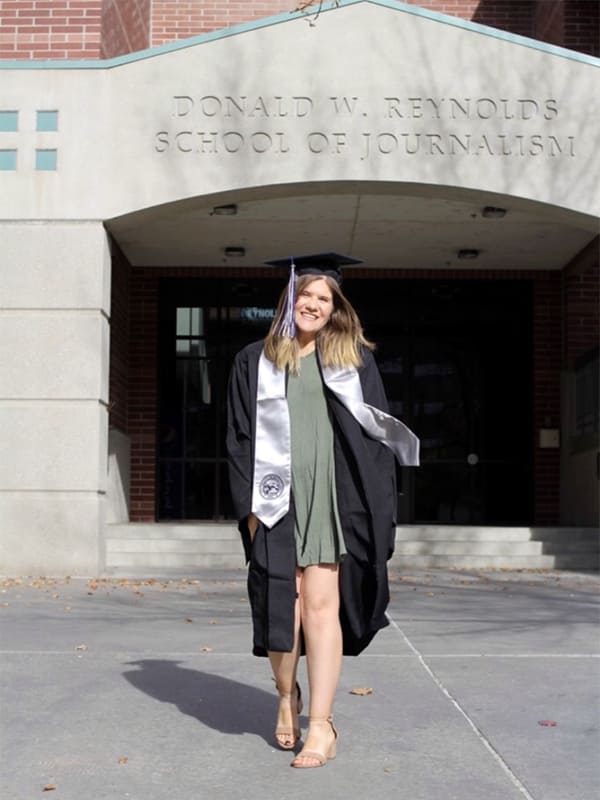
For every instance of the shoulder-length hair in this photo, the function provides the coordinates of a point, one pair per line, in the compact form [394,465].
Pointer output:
[339,342]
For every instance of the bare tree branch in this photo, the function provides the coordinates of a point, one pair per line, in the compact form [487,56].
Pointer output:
[302,7]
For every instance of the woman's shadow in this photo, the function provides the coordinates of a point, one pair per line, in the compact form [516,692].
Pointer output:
[220,703]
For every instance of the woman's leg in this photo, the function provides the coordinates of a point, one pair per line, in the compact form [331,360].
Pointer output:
[284,666]
[319,614]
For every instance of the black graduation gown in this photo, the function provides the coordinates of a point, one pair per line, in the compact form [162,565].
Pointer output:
[366,495]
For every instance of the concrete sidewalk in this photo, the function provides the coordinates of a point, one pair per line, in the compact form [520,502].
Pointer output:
[485,687]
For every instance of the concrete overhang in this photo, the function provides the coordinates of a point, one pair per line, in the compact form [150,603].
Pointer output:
[386,224]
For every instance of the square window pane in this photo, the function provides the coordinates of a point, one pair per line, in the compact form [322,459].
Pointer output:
[45,159]
[47,121]
[9,121]
[8,160]
[183,321]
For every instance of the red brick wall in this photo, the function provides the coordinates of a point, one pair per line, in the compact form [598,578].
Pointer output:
[582,26]
[192,18]
[50,29]
[125,27]
[549,21]
[172,21]
[143,389]
[74,29]
[143,392]
[581,304]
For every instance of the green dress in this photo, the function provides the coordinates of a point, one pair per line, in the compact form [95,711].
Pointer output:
[319,537]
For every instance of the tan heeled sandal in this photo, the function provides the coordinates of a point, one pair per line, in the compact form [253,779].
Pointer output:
[285,736]
[320,758]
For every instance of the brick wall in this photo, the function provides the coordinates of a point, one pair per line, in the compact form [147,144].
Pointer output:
[143,392]
[125,27]
[43,29]
[73,29]
[581,281]
[549,21]
[172,21]
[582,26]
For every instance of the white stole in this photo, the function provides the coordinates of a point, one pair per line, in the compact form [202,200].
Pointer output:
[272,446]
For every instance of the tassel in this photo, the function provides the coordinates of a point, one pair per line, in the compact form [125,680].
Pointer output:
[287,325]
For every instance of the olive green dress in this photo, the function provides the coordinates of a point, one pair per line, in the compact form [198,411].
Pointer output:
[319,537]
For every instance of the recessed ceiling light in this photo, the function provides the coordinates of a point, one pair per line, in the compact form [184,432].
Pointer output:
[493,212]
[225,211]
[235,252]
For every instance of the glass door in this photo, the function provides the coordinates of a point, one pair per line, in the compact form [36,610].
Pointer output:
[203,324]
[455,358]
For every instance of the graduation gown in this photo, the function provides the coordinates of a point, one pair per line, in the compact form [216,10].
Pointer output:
[366,497]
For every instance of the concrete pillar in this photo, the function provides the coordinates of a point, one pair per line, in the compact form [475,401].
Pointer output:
[54,330]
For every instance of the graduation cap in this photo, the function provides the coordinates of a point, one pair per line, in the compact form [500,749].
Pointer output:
[323,264]
[329,264]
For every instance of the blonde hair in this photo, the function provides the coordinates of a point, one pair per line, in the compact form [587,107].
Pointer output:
[339,343]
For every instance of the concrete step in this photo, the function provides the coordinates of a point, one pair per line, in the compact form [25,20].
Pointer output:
[567,562]
[156,549]
[172,530]
[476,533]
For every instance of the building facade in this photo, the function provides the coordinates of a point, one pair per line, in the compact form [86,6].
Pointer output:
[153,155]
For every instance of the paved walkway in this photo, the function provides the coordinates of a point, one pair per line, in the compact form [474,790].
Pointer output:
[485,687]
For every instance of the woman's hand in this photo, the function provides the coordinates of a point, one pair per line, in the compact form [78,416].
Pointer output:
[252,522]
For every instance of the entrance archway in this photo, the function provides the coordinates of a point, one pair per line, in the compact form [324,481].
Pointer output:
[461,344]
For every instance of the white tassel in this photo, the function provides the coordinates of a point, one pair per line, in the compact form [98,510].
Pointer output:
[287,326]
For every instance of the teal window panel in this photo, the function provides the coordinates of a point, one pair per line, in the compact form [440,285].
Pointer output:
[8,160]
[9,121]
[47,121]
[45,159]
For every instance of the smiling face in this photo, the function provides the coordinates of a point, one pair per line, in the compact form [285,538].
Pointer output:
[313,309]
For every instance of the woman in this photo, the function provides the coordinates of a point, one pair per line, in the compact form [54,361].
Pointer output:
[314,489]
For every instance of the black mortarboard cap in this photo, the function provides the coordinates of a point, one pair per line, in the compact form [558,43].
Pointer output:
[318,264]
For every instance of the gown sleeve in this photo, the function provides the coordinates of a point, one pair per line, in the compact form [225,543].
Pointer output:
[372,384]
[374,394]
[239,437]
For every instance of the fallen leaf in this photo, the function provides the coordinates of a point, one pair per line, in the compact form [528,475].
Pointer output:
[81,647]
[361,690]
[187,619]
[548,723]
[123,760]
[49,788]
[206,649]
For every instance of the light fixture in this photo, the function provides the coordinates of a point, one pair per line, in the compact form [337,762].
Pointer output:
[235,252]
[468,254]
[493,212]
[224,211]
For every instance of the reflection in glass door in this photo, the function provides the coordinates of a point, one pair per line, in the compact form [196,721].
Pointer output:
[203,323]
